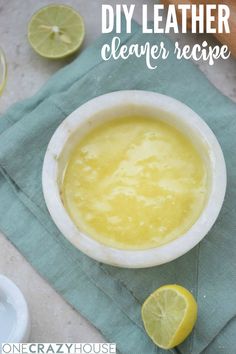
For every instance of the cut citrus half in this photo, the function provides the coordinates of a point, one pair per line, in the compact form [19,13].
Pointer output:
[56,31]
[3,71]
[169,315]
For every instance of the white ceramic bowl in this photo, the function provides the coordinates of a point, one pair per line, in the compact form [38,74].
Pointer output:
[115,105]
[14,314]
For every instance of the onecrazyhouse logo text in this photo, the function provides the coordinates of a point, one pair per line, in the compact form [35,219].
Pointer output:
[58,348]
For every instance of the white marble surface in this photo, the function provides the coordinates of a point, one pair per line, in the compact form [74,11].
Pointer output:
[52,318]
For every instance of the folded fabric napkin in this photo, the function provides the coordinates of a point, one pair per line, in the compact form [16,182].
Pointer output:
[111,297]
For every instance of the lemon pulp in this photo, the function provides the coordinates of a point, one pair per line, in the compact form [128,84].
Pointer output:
[134,183]
[169,315]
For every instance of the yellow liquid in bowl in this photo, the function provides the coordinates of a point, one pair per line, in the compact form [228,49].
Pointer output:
[134,183]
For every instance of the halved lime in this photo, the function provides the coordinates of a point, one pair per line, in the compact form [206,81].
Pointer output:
[3,71]
[56,31]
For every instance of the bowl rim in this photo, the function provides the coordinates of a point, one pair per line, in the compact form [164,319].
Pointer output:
[133,258]
[16,298]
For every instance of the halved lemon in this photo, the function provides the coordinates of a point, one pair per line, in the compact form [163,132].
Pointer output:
[3,71]
[169,315]
[56,31]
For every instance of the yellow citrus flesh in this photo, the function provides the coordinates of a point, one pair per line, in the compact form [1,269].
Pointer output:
[56,31]
[169,315]
[3,71]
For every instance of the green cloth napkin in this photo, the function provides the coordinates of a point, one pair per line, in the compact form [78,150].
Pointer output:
[111,297]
